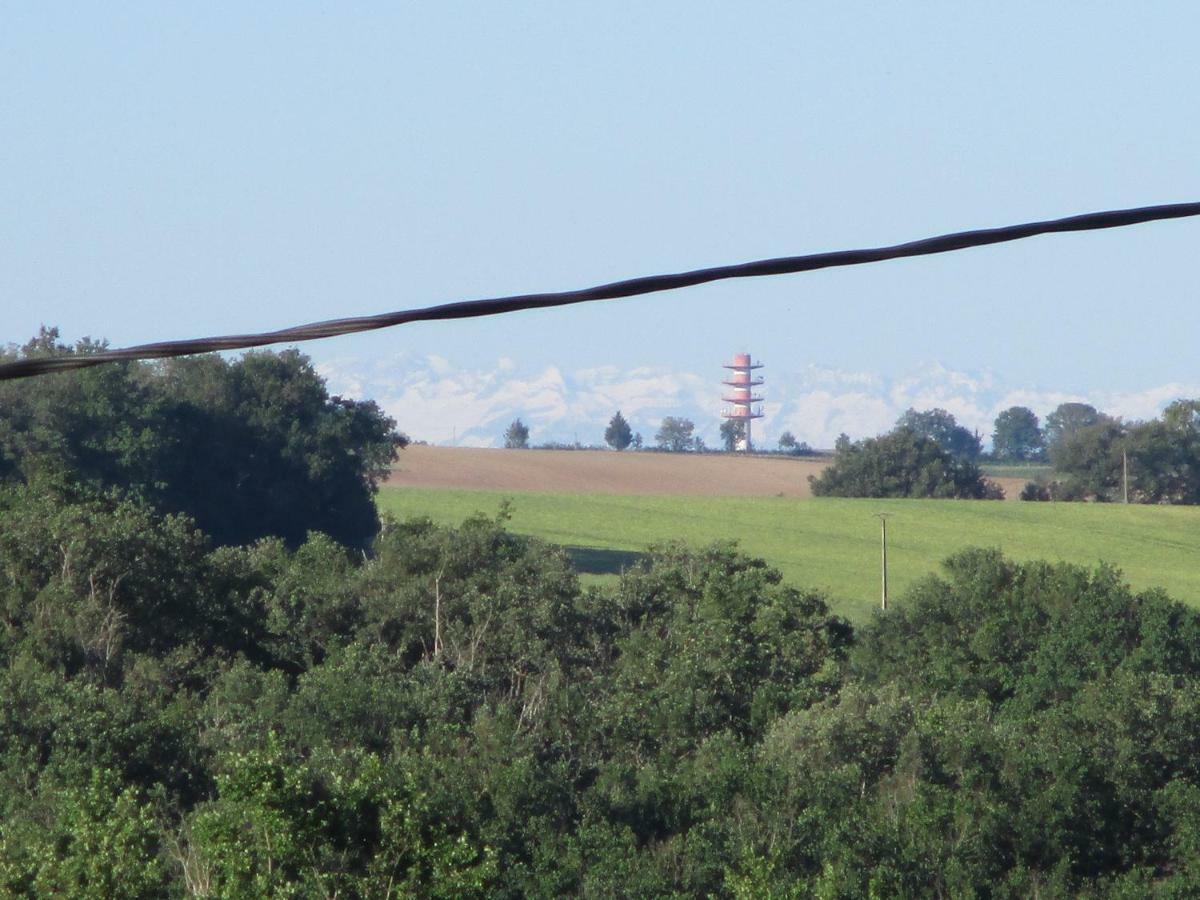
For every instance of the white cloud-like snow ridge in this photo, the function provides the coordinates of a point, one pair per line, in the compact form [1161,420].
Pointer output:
[436,400]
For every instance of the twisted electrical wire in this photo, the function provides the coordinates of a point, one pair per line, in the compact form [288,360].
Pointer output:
[465,309]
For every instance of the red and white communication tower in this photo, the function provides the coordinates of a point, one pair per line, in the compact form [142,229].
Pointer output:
[742,398]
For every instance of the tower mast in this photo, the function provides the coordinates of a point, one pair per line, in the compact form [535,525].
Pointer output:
[742,398]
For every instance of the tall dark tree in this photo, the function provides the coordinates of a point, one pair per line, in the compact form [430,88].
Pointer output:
[618,434]
[942,428]
[1017,437]
[516,436]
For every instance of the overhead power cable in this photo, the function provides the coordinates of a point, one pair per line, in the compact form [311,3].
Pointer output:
[467,309]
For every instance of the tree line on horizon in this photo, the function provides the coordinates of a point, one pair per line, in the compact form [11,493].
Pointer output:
[1093,456]
[676,434]
[1017,436]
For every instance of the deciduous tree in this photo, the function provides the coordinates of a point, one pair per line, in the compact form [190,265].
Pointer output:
[675,435]
[1017,437]
[941,427]
[901,463]
[733,431]
[1090,458]
[1067,419]
[247,448]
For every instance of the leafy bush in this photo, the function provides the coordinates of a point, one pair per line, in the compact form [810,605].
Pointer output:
[1036,491]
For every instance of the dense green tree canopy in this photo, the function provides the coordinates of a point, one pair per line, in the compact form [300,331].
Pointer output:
[1017,436]
[676,435]
[1161,458]
[452,715]
[247,448]
[1066,420]
[941,427]
[901,463]
[618,434]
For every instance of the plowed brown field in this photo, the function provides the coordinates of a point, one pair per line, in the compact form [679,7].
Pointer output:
[608,472]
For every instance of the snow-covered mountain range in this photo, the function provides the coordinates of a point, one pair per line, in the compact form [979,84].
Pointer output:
[435,400]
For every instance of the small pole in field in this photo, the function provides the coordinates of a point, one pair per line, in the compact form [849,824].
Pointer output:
[437,617]
[1125,473]
[883,517]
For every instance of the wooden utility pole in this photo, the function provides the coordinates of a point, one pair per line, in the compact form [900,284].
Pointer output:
[1125,474]
[883,517]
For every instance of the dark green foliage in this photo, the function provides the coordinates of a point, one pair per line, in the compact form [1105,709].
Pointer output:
[93,837]
[1090,458]
[89,579]
[1017,437]
[451,715]
[1068,418]
[1162,458]
[247,448]
[940,427]
[788,444]
[901,463]
[675,435]
[618,434]
[733,431]
[259,448]
[516,436]
[995,629]
[718,645]
[1036,490]
[96,424]
[1089,697]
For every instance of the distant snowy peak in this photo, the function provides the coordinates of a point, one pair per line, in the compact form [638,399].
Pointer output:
[436,400]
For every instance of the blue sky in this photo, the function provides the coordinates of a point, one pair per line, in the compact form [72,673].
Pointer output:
[171,171]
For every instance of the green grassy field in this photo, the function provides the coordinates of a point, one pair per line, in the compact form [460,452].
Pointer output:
[833,544]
